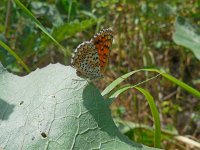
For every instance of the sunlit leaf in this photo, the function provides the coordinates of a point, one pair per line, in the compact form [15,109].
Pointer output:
[187,35]
[52,108]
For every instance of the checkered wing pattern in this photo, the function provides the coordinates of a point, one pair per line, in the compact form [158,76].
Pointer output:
[91,57]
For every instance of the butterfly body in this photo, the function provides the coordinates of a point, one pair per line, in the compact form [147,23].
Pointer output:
[91,57]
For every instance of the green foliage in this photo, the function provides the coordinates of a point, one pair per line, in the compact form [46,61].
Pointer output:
[187,35]
[114,91]
[115,83]
[56,22]
[143,133]
[31,16]
[147,34]
[15,55]
[155,115]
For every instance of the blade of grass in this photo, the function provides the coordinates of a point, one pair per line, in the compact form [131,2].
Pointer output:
[120,90]
[6,47]
[69,10]
[183,85]
[132,125]
[154,111]
[177,82]
[155,114]
[40,26]
[117,82]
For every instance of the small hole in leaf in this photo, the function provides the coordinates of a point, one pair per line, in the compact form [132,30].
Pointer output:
[21,102]
[44,135]
[52,96]
[33,138]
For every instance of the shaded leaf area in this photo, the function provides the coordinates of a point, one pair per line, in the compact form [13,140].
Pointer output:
[187,35]
[52,108]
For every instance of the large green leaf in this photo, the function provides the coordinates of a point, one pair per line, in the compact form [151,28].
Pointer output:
[52,108]
[187,35]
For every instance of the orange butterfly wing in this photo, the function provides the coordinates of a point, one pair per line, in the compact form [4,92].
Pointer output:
[103,42]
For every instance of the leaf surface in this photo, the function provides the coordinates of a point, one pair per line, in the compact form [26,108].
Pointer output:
[52,108]
[187,35]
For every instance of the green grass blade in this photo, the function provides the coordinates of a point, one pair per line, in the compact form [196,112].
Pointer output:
[177,82]
[183,85]
[64,51]
[69,10]
[117,82]
[120,90]
[154,111]
[155,114]
[6,47]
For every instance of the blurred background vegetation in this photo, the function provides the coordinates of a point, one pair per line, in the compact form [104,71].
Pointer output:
[143,31]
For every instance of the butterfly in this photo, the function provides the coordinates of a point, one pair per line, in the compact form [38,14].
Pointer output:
[91,57]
